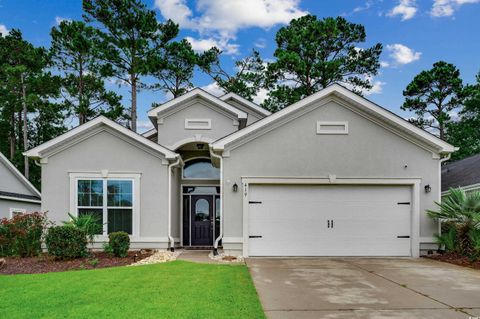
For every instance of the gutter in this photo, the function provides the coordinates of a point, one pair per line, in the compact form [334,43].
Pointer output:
[443,159]
[220,235]
[170,166]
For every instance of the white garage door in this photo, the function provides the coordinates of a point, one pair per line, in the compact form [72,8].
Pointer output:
[326,220]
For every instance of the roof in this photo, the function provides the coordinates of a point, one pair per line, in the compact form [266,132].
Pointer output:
[20,177]
[249,104]
[337,90]
[462,173]
[193,94]
[20,197]
[149,133]
[41,150]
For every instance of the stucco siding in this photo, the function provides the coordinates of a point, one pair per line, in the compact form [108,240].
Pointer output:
[173,130]
[5,206]
[296,150]
[106,151]
[9,182]
[252,115]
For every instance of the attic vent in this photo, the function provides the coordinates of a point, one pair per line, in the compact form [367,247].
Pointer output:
[331,127]
[198,124]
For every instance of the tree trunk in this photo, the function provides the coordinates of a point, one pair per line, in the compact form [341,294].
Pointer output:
[12,135]
[82,117]
[134,102]
[25,126]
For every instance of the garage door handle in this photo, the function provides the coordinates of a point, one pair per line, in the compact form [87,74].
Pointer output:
[255,236]
[403,236]
[254,202]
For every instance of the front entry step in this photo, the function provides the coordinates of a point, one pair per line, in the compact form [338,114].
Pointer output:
[198,247]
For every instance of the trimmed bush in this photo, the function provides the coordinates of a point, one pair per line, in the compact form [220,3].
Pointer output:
[22,235]
[119,243]
[66,242]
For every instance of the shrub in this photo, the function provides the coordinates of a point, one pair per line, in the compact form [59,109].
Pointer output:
[119,243]
[448,239]
[475,239]
[66,242]
[89,223]
[22,234]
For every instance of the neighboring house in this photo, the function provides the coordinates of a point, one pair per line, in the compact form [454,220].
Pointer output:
[331,175]
[464,173]
[17,194]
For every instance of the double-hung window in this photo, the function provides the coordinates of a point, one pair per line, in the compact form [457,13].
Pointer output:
[109,200]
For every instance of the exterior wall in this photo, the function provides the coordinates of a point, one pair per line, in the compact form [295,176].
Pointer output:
[368,150]
[172,130]
[252,115]
[5,206]
[105,151]
[9,182]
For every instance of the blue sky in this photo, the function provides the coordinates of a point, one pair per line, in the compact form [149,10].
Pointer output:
[415,34]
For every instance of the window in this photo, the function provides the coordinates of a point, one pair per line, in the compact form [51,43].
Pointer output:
[324,127]
[110,200]
[202,210]
[198,124]
[17,211]
[201,168]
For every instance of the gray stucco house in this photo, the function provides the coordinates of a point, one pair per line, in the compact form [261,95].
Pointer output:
[331,175]
[17,194]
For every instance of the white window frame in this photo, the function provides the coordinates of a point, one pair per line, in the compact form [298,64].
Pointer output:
[105,176]
[321,130]
[14,210]
[193,124]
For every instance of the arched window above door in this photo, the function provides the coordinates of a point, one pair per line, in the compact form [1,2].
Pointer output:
[200,168]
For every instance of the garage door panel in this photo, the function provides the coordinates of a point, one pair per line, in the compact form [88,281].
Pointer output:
[292,220]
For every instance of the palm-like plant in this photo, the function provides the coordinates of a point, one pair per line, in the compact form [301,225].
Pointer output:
[462,210]
[88,222]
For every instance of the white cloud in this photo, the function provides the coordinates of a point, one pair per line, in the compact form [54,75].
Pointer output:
[144,125]
[403,54]
[377,88]
[261,96]
[446,8]
[3,30]
[213,89]
[261,43]
[384,64]
[405,8]
[201,45]
[59,20]
[222,19]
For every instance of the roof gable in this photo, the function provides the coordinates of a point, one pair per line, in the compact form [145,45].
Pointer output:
[248,104]
[191,95]
[380,114]
[82,130]
[9,168]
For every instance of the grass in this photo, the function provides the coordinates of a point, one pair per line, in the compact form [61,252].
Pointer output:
[172,290]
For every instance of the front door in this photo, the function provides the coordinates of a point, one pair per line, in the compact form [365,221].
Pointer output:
[202,220]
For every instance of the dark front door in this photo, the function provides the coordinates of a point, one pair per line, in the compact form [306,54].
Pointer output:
[202,220]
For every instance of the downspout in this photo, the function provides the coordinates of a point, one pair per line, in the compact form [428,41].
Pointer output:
[220,235]
[440,162]
[170,237]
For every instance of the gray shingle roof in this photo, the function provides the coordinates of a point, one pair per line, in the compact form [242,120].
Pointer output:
[464,172]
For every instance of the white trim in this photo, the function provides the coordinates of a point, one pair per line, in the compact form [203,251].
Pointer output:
[16,210]
[197,92]
[27,200]
[339,91]
[412,181]
[427,240]
[249,104]
[105,176]
[38,151]
[196,138]
[149,133]
[467,188]
[321,131]
[19,175]
[194,124]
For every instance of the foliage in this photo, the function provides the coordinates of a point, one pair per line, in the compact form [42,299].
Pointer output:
[448,238]
[228,291]
[66,242]
[475,240]
[246,82]
[22,234]
[462,210]
[118,244]
[89,223]
[131,40]
[312,54]
[75,51]
[433,94]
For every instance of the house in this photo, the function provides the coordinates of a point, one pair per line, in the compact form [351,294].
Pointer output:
[464,173]
[17,194]
[331,175]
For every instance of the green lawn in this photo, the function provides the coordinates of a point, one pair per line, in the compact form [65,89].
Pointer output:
[173,290]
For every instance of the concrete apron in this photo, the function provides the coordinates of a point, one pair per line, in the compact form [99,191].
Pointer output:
[365,288]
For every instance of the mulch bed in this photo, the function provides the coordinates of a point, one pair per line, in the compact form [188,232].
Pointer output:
[456,260]
[45,263]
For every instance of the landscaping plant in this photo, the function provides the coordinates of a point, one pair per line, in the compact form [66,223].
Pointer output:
[89,223]
[66,242]
[118,244]
[462,210]
[22,235]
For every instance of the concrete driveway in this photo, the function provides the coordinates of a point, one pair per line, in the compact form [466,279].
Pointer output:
[377,288]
